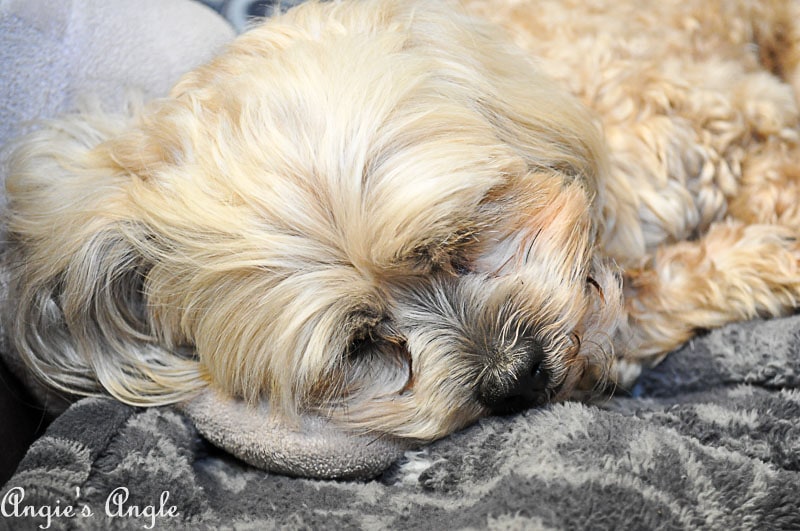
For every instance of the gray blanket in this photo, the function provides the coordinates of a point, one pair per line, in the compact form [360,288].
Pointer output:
[711,440]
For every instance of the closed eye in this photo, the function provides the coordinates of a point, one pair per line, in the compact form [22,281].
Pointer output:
[460,266]
[381,361]
[593,283]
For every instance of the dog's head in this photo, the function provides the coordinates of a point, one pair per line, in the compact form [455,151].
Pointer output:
[379,211]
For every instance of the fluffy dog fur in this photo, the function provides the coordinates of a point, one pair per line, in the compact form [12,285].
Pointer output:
[388,213]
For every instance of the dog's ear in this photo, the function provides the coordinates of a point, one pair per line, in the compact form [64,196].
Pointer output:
[76,309]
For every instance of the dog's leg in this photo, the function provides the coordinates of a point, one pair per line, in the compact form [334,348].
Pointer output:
[735,272]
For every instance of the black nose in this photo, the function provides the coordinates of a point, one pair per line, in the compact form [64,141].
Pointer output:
[507,387]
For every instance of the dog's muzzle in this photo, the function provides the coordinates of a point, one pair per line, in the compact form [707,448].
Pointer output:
[508,386]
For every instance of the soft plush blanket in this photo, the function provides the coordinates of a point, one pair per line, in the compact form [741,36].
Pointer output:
[711,441]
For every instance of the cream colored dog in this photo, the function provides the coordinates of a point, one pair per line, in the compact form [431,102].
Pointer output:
[386,213]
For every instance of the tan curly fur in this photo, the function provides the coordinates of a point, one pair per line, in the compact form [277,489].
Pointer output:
[404,217]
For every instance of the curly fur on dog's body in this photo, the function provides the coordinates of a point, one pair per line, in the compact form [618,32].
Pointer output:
[384,212]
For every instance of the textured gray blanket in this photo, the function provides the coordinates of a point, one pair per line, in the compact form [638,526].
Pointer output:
[712,441]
